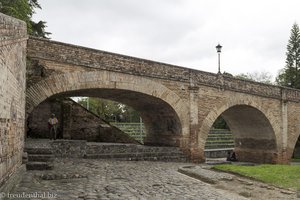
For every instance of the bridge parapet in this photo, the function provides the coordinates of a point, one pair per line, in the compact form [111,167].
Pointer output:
[42,49]
[81,56]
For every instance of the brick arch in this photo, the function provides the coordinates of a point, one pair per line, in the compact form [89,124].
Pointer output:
[293,140]
[238,114]
[173,108]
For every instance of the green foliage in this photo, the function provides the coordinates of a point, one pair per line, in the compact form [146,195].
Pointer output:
[287,176]
[289,76]
[110,110]
[38,29]
[220,123]
[262,76]
[23,10]
[227,74]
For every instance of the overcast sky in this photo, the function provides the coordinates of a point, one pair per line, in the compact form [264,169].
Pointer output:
[253,33]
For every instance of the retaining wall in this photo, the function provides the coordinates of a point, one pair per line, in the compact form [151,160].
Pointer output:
[13,40]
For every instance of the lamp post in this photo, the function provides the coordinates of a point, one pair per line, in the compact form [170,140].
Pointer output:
[219,47]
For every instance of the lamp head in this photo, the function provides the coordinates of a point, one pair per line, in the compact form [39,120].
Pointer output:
[219,47]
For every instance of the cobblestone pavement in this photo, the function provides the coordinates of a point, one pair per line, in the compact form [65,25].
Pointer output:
[107,179]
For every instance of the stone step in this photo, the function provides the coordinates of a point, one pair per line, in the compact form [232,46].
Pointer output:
[38,150]
[220,138]
[219,135]
[219,146]
[39,166]
[217,153]
[138,157]
[151,154]
[126,148]
[219,143]
[40,157]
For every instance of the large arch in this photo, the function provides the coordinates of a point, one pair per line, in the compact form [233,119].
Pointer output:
[253,129]
[163,111]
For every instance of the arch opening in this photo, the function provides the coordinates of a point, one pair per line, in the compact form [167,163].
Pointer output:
[296,153]
[162,124]
[253,135]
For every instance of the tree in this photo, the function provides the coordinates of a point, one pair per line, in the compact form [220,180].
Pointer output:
[110,110]
[258,76]
[289,76]
[227,74]
[23,10]
[220,123]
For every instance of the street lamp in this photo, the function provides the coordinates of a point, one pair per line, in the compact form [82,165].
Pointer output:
[219,47]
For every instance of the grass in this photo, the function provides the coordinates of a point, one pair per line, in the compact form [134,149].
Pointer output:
[286,176]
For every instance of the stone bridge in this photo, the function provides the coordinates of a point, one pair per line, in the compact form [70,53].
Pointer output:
[178,105]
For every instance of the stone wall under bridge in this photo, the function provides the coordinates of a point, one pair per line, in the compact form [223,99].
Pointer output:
[75,123]
[178,105]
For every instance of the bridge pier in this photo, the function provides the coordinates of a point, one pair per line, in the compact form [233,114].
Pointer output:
[284,156]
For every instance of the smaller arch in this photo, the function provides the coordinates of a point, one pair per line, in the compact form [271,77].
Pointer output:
[254,135]
[296,150]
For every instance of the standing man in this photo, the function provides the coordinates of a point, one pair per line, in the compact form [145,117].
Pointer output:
[53,122]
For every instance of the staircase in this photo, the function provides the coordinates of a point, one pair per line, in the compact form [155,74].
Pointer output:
[219,139]
[134,130]
[39,157]
[134,152]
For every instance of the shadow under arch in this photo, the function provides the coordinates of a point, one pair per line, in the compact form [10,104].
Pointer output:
[296,149]
[162,110]
[254,135]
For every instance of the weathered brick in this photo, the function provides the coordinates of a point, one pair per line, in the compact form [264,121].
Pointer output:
[13,40]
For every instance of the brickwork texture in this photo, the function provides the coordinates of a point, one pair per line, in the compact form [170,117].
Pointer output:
[13,41]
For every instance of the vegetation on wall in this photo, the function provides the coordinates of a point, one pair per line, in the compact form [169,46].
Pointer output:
[23,10]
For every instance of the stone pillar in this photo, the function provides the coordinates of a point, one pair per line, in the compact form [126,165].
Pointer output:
[196,152]
[284,152]
[66,119]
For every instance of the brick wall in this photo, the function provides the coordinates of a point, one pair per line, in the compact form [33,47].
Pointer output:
[13,40]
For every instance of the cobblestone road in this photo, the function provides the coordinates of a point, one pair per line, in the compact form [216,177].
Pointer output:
[106,179]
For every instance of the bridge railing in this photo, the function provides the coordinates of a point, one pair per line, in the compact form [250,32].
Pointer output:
[134,130]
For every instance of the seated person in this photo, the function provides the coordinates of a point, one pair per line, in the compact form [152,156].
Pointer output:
[231,156]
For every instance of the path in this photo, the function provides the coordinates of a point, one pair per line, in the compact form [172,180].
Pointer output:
[107,179]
